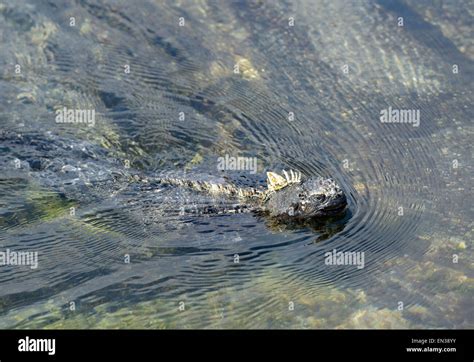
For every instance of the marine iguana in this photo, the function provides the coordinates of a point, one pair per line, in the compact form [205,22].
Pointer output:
[78,168]
[286,197]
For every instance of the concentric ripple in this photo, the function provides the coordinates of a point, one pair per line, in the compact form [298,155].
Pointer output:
[238,80]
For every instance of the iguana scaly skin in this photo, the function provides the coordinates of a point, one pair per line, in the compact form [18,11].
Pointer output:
[286,197]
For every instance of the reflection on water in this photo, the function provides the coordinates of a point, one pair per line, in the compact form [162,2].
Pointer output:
[298,86]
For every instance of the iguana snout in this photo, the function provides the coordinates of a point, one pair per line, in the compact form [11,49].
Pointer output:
[313,197]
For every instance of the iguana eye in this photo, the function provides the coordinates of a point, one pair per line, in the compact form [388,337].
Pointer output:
[321,197]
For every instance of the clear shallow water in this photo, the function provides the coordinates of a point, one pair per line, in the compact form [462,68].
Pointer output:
[281,280]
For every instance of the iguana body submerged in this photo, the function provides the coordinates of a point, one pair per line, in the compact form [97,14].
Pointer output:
[80,170]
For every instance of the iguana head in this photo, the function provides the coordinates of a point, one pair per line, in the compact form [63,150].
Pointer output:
[290,197]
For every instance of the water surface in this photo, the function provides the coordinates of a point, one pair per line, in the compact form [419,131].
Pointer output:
[313,78]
